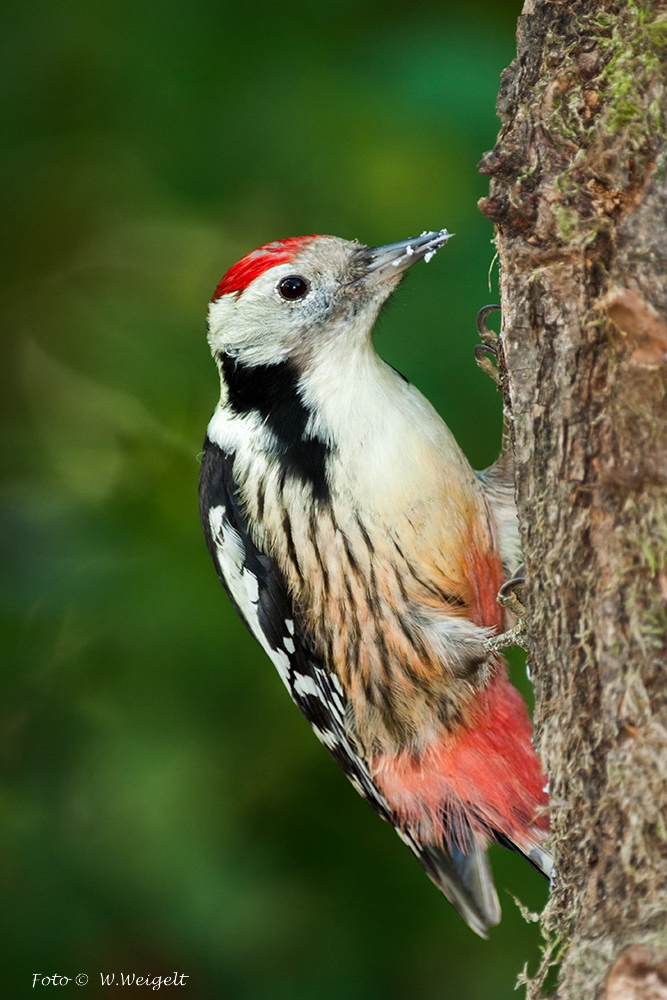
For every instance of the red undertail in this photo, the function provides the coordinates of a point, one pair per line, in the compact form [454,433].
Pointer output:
[485,776]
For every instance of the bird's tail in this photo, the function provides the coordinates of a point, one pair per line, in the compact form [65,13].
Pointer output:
[463,875]
[465,879]
[531,850]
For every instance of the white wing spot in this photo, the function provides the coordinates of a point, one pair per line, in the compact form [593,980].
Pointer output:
[216,519]
[289,644]
[328,738]
[306,686]
[252,585]
[290,625]
[280,661]
[354,781]
[338,696]
[337,684]
[405,837]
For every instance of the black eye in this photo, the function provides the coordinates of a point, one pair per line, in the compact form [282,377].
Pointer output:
[293,287]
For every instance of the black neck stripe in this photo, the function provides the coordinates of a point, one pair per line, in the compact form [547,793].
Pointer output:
[273,392]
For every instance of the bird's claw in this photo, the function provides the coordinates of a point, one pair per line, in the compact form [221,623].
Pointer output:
[483,355]
[488,349]
[512,597]
[488,337]
[512,594]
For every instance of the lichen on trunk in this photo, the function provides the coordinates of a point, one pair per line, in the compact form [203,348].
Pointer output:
[578,194]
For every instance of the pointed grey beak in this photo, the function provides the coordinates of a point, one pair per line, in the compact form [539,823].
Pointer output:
[393,258]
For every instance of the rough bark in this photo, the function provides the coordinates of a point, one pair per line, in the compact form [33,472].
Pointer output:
[579,198]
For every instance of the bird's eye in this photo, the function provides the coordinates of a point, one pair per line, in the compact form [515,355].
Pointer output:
[293,287]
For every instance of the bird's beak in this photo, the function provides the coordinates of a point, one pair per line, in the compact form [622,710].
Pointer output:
[393,258]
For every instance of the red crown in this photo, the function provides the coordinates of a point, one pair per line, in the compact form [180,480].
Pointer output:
[260,260]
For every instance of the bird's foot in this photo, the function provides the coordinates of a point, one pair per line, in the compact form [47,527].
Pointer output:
[512,597]
[483,356]
[486,353]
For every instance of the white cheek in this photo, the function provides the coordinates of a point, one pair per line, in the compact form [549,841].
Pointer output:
[220,320]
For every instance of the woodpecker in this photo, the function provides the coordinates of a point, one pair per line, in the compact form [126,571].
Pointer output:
[365,556]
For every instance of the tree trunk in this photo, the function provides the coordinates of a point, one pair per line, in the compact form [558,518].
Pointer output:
[579,198]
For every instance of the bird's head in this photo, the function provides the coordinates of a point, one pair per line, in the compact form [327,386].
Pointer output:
[288,299]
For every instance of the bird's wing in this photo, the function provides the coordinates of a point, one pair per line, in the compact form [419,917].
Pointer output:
[261,597]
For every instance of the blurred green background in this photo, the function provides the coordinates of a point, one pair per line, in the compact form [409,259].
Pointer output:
[164,806]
